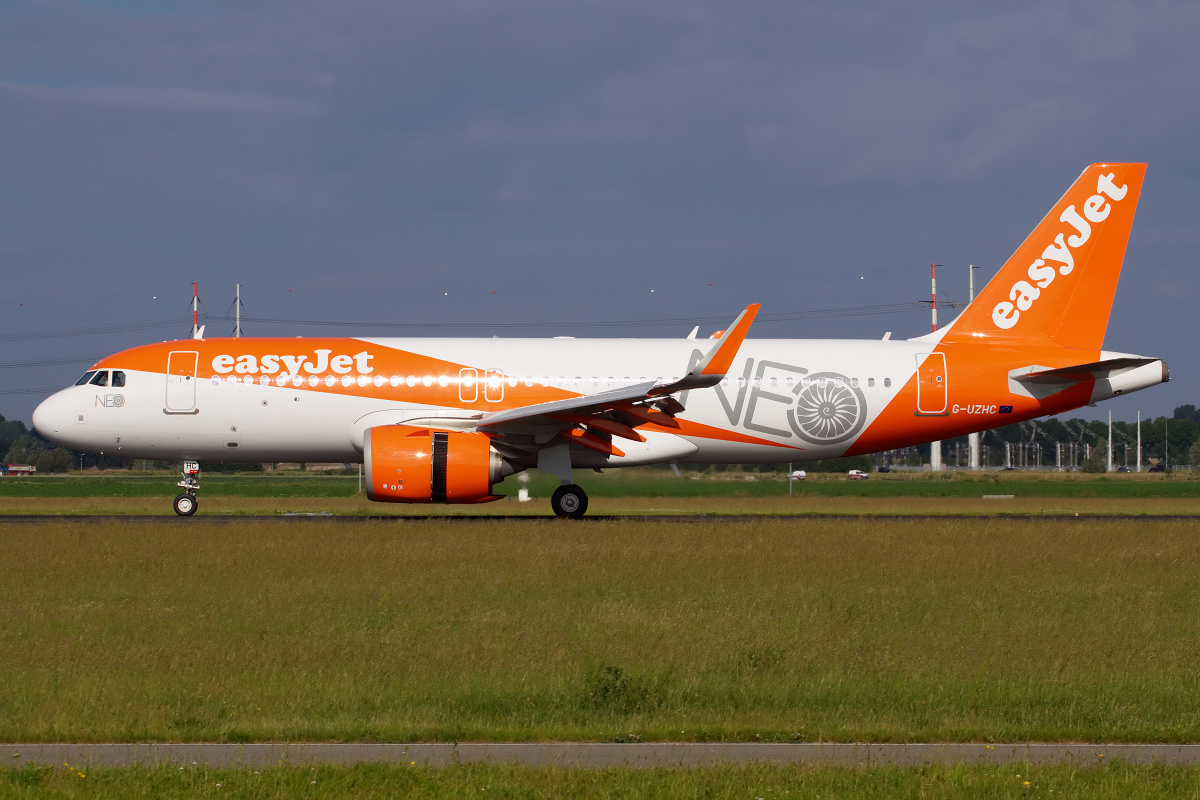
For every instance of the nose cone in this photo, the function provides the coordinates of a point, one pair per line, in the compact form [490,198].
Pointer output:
[49,419]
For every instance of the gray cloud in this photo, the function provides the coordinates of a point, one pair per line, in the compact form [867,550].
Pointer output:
[396,152]
[150,99]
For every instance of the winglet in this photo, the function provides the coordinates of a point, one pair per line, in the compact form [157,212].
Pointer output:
[719,360]
[712,369]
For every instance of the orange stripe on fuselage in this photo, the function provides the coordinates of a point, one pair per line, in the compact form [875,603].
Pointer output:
[384,361]
[250,358]
[977,377]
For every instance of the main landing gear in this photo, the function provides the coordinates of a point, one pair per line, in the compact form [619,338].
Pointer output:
[569,501]
[186,503]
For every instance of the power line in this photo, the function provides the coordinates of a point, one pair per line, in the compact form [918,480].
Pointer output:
[47,391]
[49,362]
[783,316]
[158,324]
[91,330]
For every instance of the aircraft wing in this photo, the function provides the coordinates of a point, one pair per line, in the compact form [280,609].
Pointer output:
[592,403]
[592,420]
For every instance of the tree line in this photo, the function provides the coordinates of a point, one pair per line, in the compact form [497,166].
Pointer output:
[1172,441]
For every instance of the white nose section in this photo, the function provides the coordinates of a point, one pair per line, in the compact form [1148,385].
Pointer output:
[50,418]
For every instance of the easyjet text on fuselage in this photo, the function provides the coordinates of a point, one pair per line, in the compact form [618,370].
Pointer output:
[321,361]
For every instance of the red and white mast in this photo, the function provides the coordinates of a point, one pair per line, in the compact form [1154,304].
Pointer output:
[933,305]
[195,310]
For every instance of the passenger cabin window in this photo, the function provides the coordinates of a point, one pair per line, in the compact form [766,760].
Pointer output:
[101,378]
[887,382]
[870,383]
[87,377]
[118,379]
[854,383]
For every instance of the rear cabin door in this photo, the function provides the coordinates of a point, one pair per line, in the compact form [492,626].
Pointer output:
[931,383]
[181,382]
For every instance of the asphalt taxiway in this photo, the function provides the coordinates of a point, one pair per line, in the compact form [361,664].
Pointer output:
[311,517]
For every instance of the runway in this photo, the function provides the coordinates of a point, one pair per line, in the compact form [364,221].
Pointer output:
[595,754]
[169,518]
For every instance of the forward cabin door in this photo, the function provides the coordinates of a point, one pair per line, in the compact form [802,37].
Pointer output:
[181,382]
[931,383]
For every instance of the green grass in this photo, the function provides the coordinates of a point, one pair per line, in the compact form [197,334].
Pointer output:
[133,485]
[518,630]
[756,781]
[600,507]
[644,483]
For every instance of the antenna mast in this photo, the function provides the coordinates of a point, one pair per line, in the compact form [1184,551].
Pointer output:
[237,312]
[195,309]
[933,305]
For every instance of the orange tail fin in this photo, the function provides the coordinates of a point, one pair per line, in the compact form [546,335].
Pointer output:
[1060,283]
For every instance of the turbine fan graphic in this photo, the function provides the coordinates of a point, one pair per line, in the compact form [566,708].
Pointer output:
[829,410]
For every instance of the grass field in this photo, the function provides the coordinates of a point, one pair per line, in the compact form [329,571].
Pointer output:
[612,506]
[642,483]
[631,492]
[809,629]
[1113,781]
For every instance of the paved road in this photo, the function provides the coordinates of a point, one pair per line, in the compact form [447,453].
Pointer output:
[169,518]
[590,754]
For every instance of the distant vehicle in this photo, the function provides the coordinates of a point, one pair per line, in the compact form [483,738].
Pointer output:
[1157,468]
[1124,469]
[19,469]
[797,475]
[857,475]
[884,468]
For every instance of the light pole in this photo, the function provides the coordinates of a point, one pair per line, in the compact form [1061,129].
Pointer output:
[935,447]
[1110,467]
[973,438]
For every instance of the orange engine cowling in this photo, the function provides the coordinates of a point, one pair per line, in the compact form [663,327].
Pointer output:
[405,464]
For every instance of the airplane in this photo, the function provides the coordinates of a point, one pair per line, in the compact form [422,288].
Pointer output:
[443,420]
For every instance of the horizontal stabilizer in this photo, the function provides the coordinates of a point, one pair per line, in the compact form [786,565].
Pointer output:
[1109,377]
[1096,370]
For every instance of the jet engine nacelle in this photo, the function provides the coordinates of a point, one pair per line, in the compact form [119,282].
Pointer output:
[407,464]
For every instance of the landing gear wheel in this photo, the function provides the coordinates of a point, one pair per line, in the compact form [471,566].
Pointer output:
[569,501]
[185,505]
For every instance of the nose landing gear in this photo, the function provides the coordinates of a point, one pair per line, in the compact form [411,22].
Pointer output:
[186,503]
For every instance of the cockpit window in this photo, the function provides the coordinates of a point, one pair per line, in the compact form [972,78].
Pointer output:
[101,378]
[87,376]
[118,378]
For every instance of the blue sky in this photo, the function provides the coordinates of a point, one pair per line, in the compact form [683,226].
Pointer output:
[548,165]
